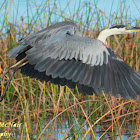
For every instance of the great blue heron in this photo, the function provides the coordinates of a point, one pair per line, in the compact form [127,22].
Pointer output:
[61,55]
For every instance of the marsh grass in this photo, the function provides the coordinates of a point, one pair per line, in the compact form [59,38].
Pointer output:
[52,112]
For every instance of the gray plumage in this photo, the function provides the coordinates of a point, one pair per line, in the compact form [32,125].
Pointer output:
[61,55]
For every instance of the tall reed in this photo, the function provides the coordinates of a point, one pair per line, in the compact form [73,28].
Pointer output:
[52,112]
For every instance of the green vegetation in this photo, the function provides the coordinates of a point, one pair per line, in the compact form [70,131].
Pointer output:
[52,112]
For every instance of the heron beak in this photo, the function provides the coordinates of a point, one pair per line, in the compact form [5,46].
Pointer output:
[135,29]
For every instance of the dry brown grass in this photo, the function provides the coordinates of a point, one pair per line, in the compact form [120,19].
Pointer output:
[41,107]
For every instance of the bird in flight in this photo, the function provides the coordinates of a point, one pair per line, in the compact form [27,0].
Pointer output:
[61,55]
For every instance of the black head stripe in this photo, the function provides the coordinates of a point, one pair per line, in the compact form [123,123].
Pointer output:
[118,26]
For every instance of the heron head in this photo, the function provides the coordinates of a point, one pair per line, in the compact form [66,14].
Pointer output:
[124,29]
[117,29]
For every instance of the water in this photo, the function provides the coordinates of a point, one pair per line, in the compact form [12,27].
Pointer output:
[63,125]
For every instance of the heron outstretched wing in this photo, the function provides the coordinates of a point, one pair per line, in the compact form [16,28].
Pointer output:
[63,57]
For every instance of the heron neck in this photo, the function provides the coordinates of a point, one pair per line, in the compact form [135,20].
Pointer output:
[104,34]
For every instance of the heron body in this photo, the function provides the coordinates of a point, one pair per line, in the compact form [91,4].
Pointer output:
[61,55]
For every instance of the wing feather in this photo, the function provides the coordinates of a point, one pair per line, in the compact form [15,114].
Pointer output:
[89,51]
[89,78]
[58,54]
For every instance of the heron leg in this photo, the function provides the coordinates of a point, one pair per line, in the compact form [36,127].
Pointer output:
[11,67]
[4,93]
[6,71]
[18,63]
[15,66]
